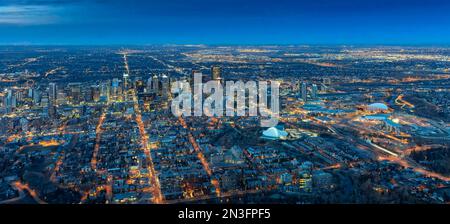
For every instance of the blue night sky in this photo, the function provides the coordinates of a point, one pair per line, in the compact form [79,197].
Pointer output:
[224,22]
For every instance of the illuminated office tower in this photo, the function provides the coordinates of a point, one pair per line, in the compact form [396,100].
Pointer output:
[104,92]
[314,90]
[165,86]
[155,84]
[10,103]
[95,93]
[125,81]
[149,87]
[304,90]
[52,93]
[139,84]
[115,89]
[216,73]
[75,93]
[36,97]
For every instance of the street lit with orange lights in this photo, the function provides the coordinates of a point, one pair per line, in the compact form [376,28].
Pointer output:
[98,131]
[201,157]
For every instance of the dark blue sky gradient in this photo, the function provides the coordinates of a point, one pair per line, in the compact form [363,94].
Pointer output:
[225,22]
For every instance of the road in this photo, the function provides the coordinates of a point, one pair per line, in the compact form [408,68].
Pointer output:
[98,131]
[201,156]
[158,197]
[153,177]
[21,187]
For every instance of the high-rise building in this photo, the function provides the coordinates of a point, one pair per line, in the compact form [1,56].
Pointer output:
[216,73]
[36,97]
[10,103]
[104,92]
[95,93]
[125,81]
[165,86]
[75,93]
[52,93]
[314,91]
[115,89]
[149,85]
[155,84]
[304,90]
[139,84]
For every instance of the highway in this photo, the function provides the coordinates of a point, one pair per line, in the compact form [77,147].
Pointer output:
[400,101]
[53,71]
[25,187]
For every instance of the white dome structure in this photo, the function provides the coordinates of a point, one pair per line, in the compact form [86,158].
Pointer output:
[378,107]
[274,133]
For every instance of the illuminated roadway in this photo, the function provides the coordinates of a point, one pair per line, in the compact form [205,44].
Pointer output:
[153,177]
[21,186]
[201,157]
[98,131]
[53,71]
[400,101]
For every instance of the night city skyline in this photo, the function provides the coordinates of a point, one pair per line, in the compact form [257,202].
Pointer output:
[224,111]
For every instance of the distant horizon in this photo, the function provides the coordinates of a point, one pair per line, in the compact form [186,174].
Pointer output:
[222,45]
